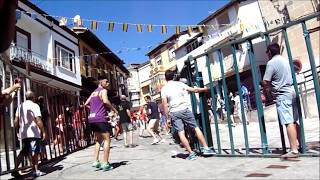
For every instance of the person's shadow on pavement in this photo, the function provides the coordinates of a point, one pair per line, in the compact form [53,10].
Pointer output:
[46,170]
[118,164]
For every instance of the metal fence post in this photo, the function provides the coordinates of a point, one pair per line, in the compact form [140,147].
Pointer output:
[244,120]
[306,35]
[264,141]
[226,100]
[213,104]
[298,104]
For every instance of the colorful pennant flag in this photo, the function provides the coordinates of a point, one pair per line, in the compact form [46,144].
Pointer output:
[110,26]
[178,29]
[190,30]
[150,28]
[139,27]
[163,29]
[200,29]
[125,27]
[63,21]
[94,25]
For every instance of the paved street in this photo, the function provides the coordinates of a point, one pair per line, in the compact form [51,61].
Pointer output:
[155,162]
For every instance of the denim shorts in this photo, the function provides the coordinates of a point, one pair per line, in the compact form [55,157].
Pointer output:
[285,111]
[181,118]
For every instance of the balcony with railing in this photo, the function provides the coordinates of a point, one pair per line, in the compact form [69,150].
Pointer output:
[36,61]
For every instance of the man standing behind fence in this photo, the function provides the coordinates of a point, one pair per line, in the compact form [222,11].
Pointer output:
[97,118]
[28,119]
[173,96]
[278,74]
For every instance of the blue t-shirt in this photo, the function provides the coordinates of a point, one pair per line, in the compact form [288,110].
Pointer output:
[279,73]
[154,110]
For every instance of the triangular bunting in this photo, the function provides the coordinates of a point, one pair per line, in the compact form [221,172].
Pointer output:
[125,27]
[110,26]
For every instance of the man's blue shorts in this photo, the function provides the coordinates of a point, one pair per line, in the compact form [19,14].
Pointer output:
[285,111]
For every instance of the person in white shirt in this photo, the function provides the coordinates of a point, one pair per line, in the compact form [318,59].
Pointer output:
[238,107]
[28,120]
[175,102]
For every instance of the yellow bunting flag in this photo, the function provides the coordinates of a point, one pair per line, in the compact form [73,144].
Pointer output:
[63,21]
[125,27]
[94,25]
[200,29]
[190,30]
[163,29]
[149,27]
[139,27]
[110,26]
[178,29]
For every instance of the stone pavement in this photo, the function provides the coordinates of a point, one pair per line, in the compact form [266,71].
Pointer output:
[147,161]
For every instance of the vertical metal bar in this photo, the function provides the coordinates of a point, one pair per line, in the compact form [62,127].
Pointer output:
[201,99]
[306,35]
[263,136]
[298,103]
[226,100]
[213,104]
[244,120]
[5,130]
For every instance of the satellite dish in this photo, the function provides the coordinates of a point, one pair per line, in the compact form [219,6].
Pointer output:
[76,18]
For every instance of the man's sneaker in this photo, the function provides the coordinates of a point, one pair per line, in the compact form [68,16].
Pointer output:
[16,174]
[38,173]
[162,141]
[208,152]
[96,164]
[106,167]
[192,156]
[290,154]
[155,141]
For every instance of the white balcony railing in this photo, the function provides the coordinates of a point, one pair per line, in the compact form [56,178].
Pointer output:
[36,60]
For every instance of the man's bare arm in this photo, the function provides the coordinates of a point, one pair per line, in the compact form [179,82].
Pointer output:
[39,123]
[197,89]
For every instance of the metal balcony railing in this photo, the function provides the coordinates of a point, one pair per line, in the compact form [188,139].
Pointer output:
[36,60]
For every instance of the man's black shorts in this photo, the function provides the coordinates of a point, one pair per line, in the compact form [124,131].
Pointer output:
[31,146]
[101,127]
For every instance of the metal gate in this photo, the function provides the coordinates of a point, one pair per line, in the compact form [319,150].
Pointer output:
[64,121]
[219,86]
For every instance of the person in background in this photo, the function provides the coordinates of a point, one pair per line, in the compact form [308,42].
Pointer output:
[154,118]
[44,117]
[126,121]
[7,95]
[238,107]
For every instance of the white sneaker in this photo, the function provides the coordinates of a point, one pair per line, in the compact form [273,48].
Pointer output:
[38,173]
[155,141]
[162,141]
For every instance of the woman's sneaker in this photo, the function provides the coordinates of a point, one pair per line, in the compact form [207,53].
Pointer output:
[192,156]
[106,167]
[96,164]
[290,154]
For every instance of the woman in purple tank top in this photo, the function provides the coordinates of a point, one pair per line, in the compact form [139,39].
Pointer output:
[98,122]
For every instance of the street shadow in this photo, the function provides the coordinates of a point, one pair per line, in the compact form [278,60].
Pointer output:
[118,164]
[47,168]
[180,155]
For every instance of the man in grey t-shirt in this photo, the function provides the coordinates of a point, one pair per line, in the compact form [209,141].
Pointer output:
[278,75]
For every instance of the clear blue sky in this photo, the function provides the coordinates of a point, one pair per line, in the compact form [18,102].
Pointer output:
[133,11]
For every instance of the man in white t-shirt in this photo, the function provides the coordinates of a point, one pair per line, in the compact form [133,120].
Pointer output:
[173,96]
[28,120]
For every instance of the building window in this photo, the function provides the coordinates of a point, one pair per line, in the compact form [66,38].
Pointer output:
[193,45]
[172,55]
[65,57]
[158,60]
[23,39]
[223,19]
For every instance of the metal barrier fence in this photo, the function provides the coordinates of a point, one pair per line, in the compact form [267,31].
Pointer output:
[64,121]
[191,72]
